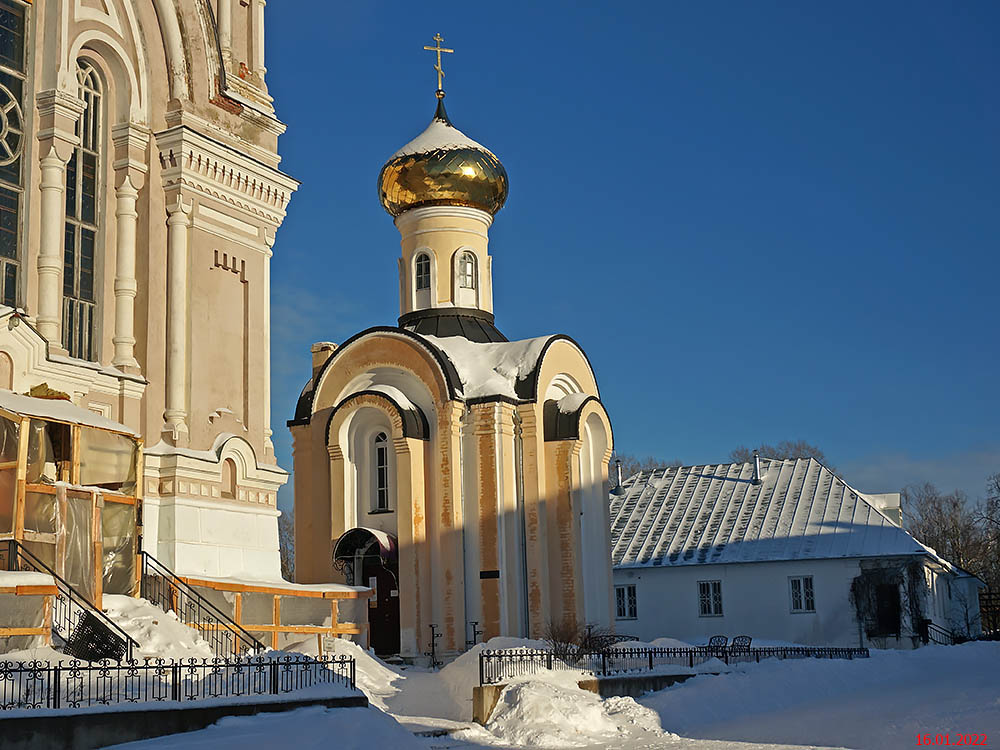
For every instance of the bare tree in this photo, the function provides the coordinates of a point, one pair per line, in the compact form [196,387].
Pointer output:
[988,516]
[286,544]
[990,512]
[965,617]
[783,450]
[948,524]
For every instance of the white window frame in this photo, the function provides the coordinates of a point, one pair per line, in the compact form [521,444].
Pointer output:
[710,598]
[626,602]
[418,275]
[381,463]
[468,270]
[804,588]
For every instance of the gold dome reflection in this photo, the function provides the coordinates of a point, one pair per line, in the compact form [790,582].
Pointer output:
[445,168]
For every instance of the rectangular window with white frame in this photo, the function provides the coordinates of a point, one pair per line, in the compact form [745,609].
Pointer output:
[803,597]
[625,602]
[710,598]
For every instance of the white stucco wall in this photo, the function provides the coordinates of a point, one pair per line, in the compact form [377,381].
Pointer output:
[755,602]
[213,538]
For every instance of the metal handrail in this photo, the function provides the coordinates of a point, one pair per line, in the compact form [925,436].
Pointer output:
[203,607]
[17,552]
[940,635]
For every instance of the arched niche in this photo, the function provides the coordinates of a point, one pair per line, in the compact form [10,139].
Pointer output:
[595,451]
[6,371]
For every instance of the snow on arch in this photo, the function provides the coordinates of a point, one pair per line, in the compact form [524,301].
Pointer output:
[562,385]
[401,386]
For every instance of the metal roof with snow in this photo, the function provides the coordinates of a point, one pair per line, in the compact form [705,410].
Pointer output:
[716,514]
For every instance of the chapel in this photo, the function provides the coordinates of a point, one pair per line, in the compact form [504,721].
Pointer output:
[460,475]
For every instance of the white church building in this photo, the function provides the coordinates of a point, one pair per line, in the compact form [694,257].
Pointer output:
[780,550]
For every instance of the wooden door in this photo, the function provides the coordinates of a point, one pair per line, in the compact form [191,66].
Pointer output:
[383,608]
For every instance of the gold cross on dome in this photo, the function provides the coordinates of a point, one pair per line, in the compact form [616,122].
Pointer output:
[439,49]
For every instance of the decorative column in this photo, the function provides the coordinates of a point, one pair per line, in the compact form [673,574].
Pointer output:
[175,429]
[258,62]
[130,142]
[225,26]
[268,443]
[58,114]
[51,248]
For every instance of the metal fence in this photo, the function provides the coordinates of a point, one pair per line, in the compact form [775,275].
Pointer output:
[497,666]
[38,684]
[162,587]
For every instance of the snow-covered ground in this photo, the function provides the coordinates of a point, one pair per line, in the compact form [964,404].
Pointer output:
[882,702]
[159,634]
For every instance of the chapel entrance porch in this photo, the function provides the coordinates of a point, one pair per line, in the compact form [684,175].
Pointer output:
[369,557]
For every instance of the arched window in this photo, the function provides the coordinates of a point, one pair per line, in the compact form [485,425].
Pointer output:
[83,188]
[467,271]
[381,478]
[12,89]
[423,272]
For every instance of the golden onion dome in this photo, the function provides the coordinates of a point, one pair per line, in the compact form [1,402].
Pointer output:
[442,167]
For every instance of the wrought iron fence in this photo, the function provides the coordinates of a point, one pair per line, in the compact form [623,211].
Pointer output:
[500,665]
[88,632]
[162,587]
[75,684]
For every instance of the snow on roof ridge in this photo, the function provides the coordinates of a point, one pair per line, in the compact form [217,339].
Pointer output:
[439,135]
[490,369]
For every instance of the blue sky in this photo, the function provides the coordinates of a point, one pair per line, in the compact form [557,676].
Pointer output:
[763,221]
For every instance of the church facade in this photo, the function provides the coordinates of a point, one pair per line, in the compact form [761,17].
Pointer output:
[460,475]
[140,195]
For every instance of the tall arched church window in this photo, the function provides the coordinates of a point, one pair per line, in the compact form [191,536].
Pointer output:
[423,272]
[381,477]
[467,271]
[83,188]
[12,86]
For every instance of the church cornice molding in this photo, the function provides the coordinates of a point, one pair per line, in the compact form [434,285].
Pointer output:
[30,352]
[405,219]
[191,161]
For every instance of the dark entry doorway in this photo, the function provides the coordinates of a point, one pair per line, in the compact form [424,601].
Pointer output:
[368,557]
[887,609]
